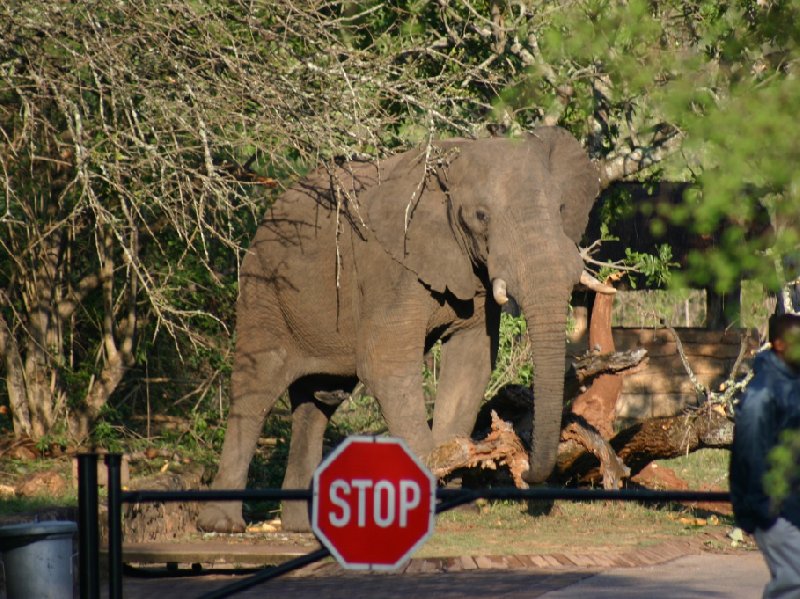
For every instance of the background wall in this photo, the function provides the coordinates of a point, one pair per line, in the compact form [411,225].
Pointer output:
[664,387]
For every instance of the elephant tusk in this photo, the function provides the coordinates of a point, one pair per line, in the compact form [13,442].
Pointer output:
[595,285]
[499,291]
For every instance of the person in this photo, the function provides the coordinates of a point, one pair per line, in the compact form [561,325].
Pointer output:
[769,406]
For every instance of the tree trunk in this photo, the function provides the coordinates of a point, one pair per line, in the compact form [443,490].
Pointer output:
[38,382]
[34,347]
[117,344]
[15,382]
[100,389]
[597,405]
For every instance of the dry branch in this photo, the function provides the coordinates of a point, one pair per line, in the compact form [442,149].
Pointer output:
[730,387]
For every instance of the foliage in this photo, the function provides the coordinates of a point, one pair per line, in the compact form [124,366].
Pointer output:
[122,199]
[783,476]
[656,268]
[737,126]
[359,415]
[514,361]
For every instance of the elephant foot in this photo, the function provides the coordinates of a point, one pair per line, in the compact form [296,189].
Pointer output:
[216,518]
[294,516]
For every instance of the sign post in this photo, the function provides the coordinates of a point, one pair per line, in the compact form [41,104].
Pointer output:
[373,504]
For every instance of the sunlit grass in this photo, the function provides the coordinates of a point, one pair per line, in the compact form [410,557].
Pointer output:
[702,469]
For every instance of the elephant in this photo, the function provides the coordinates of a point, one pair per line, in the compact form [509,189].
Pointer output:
[358,269]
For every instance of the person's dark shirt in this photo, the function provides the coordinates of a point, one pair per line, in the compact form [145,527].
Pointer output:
[770,405]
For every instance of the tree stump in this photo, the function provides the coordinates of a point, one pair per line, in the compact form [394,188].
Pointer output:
[147,522]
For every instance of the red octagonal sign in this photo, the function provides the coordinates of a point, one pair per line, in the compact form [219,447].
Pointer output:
[373,504]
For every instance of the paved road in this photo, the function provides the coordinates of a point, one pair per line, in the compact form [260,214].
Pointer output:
[740,576]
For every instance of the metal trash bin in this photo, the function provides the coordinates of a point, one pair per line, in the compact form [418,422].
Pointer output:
[37,559]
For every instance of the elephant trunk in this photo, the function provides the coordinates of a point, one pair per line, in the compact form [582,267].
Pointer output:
[546,314]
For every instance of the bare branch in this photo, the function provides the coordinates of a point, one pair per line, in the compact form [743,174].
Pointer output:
[629,161]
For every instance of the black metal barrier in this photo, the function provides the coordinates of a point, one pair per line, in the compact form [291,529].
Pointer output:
[89,539]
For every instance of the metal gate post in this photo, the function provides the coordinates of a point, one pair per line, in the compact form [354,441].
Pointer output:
[113,462]
[88,537]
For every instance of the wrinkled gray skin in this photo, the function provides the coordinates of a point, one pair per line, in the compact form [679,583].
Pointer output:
[483,210]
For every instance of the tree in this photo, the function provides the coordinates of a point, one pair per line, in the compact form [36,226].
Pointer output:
[744,148]
[138,139]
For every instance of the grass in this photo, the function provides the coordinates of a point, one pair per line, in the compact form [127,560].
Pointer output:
[12,506]
[702,469]
[505,528]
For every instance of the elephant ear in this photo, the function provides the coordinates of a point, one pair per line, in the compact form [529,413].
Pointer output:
[575,174]
[412,216]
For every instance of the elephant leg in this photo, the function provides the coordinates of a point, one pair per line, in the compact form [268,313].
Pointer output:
[309,420]
[391,369]
[466,365]
[259,378]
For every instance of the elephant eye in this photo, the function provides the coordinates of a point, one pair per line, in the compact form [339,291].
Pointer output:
[481,215]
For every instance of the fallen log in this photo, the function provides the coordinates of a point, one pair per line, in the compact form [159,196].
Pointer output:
[665,438]
[590,451]
[638,445]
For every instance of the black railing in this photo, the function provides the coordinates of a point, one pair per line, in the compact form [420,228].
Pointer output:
[89,539]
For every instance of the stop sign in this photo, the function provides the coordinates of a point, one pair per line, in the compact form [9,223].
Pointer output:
[373,503]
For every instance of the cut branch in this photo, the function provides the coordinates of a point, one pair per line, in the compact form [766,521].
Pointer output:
[593,363]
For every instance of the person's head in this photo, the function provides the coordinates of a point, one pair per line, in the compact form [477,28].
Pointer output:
[784,337]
